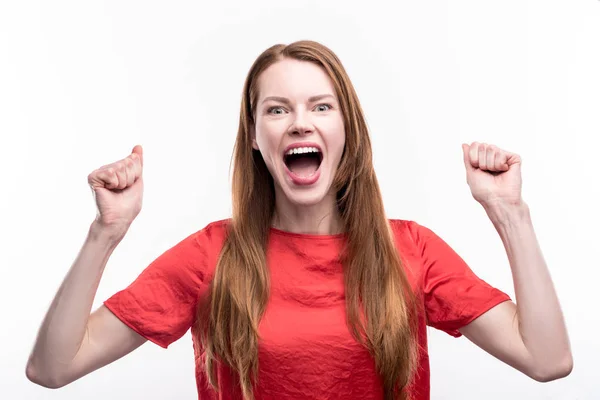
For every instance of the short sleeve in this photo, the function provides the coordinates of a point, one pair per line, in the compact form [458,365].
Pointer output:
[454,296]
[160,304]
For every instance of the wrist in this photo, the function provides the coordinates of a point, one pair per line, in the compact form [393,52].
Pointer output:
[504,213]
[110,234]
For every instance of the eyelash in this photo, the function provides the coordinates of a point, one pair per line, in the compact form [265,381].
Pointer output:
[270,109]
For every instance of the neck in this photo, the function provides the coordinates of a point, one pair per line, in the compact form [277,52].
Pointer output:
[318,219]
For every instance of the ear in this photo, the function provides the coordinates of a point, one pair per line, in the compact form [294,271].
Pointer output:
[253,136]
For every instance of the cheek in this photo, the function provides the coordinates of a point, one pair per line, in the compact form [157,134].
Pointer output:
[267,139]
[336,137]
[262,135]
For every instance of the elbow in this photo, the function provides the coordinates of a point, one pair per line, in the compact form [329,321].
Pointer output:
[44,380]
[552,372]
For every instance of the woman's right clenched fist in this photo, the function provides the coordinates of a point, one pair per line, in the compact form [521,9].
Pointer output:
[118,189]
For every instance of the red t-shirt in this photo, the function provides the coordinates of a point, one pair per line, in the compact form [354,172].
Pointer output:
[306,350]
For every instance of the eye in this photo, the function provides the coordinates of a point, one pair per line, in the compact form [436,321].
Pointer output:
[323,107]
[277,110]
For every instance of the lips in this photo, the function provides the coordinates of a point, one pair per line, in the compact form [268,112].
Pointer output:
[298,145]
[302,162]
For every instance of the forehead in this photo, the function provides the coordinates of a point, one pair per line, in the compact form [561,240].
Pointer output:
[294,79]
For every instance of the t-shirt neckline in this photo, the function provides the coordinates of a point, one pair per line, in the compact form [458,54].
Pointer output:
[311,236]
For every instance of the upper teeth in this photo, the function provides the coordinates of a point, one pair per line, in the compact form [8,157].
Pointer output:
[301,150]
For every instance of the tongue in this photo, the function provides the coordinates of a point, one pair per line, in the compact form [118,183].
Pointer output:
[304,166]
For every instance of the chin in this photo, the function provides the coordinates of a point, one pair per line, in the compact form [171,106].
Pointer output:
[305,197]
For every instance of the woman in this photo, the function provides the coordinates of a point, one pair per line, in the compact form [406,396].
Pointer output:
[308,291]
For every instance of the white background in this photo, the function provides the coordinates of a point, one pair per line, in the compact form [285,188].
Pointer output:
[82,82]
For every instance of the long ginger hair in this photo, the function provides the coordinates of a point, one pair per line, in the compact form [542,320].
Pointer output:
[374,277]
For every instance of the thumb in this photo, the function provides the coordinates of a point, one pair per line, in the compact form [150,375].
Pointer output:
[140,152]
[466,158]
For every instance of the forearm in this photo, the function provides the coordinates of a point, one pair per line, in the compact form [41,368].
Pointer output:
[540,318]
[64,326]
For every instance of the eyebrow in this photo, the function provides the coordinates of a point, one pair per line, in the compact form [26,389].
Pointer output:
[286,101]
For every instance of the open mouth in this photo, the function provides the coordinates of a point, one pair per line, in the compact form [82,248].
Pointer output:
[303,161]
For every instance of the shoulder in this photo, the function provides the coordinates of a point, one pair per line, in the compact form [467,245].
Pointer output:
[409,231]
[209,240]
[213,234]
[408,236]
[210,237]
[413,238]
[196,254]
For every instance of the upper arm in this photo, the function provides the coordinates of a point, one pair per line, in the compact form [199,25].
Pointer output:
[106,340]
[497,332]
[459,302]
[158,306]
[454,295]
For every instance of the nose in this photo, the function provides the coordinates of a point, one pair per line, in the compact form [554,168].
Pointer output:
[301,124]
